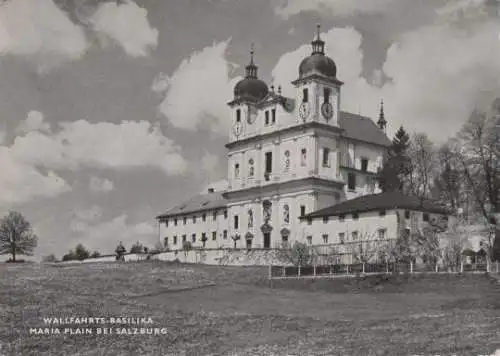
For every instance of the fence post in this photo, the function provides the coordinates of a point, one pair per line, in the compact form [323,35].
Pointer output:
[437,268]
[497,265]
[298,274]
[411,267]
[347,269]
[330,271]
[363,267]
[270,271]
[461,266]
[488,265]
[314,270]
[387,267]
[284,271]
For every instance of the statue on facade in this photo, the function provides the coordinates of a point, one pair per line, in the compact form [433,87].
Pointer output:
[250,218]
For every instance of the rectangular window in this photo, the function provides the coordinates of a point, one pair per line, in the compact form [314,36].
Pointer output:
[325,238]
[214,235]
[325,219]
[175,222]
[238,115]
[165,241]
[204,217]
[364,164]
[326,95]
[214,215]
[309,240]
[225,214]
[305,95]
[326,157]
[382,213]
[193,238]
[426,217]
[382,233]
[194,219]
[267,117]
[203,238]
[185,220]
[309,221]
[355,216]
[351,181]
[302,210]
[354,235]
[303,157]
[273,116]
[237,170]
[341,218]
[236,222]
[269,162]
[407,214]
[224,234]
[175,240]
[184,238]
[341,237]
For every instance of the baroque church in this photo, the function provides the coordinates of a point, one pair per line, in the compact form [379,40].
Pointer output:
[291,160]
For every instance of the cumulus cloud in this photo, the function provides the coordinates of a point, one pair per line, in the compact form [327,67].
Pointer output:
[436,75]
[21,182]
[33,122]
[209,162]
[39,31]
[127,24]
[337,7]
[198,90]
[105,236]
[97,184]
[80,144]
[160,83]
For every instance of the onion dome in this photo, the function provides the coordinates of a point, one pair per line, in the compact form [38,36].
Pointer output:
[251,87]
[317,62]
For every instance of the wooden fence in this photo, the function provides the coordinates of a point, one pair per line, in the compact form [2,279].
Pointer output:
[352,270]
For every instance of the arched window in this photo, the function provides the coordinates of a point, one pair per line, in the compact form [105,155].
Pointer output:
[303,157]
[251,169]
[287,160]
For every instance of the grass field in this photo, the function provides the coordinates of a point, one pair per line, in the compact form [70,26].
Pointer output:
[210,310]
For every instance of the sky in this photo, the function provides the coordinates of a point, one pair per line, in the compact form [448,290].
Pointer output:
[111,112]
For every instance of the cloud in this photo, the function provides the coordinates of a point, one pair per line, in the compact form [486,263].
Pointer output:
[198,89]
[127,24]
[101,184]
[160,83]
[21,182]
[92,213]
[33,122]
[105,236]
[436,74]
[209,162]
[39,31]
[81,144]
[337,7]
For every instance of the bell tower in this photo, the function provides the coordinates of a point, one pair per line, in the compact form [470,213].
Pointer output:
[318,89]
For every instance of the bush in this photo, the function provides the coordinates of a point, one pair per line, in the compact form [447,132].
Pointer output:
[95,254]
[49,258]
[81,253]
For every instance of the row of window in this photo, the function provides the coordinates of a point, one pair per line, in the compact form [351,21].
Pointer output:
[326,95]
[203,238]
[342,237]
[382,213]
[270,116]
[203,218]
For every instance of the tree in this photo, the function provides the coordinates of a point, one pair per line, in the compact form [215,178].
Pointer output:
[478,150]
[70,256]
[421,154]
[81,253]
[299,254]
[396,163]
[137,248]
[16,236]
[95,254]
[120,251]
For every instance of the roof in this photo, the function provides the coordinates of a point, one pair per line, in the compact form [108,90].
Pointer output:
[200,202]
[362,128]
[382,201]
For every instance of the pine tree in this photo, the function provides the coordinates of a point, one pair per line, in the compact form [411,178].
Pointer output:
[400,142]
[396,165]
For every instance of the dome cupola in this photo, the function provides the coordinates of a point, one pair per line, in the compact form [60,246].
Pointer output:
[318,62]
[251,87]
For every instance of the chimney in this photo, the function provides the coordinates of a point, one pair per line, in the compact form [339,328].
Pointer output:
[210,190]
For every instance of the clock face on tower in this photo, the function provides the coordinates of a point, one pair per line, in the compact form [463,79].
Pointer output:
[327,111]
[304,111]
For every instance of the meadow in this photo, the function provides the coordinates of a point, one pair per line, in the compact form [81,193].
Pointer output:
[212,310]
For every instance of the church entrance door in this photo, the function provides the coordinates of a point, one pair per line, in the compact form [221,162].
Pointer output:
[267,239]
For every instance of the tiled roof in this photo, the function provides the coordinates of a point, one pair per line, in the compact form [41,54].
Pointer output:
[362,128]
[382,201]
[200,202]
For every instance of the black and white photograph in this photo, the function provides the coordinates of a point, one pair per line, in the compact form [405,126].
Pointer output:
[250,177]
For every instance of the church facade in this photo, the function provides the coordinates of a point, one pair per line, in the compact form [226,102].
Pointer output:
[288,158]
